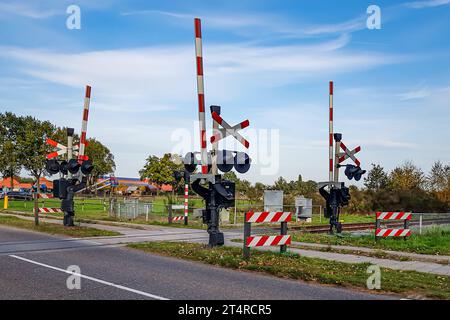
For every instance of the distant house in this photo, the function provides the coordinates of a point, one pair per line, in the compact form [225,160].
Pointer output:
[136,185]
[5,184]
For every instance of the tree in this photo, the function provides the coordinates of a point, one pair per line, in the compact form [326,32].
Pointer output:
[438,179]
[32,146]
[376,178]
[407,177]
[160,170]
[101,157]
[10,164]
[282,184]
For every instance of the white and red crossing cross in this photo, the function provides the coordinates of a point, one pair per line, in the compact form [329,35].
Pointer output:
[62,149]
[349,154]
[229,130]
[83,142]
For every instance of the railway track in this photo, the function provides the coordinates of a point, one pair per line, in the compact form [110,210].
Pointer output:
[367,225]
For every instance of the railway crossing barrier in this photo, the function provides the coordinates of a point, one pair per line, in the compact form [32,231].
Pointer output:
[45,196]
[49,210]
[281,240]
[390,232]
[172,218]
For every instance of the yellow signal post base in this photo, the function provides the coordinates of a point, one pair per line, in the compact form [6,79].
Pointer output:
[5,202]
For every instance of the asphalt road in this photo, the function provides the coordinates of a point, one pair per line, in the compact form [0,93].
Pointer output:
[33,266]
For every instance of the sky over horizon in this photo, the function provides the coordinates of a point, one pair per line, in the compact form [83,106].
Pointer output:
[268,61]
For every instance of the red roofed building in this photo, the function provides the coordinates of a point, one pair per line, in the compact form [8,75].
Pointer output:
[6,183]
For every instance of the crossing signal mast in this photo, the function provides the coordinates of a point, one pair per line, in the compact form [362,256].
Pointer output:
[338,195]
[75,170]
[217,192]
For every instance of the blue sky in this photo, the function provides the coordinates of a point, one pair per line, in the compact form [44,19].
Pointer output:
[268,61]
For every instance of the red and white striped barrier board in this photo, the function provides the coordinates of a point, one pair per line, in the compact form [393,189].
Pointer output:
[49,210]
[84,122]
[201,94]
[391,215]
[178,218]
[394,215]
[349,154]
[281,240]
[229,130]
[45,196]
[260,217]
[330,131]
[392,233]
[265,241]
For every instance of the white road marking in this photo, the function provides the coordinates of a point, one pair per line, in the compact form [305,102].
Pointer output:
[142,293]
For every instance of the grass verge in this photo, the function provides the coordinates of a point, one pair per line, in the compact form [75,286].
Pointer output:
[294,266]
[434,240]
[79,232]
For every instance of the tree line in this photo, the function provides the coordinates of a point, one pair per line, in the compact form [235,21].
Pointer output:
[23,147]
[406,187]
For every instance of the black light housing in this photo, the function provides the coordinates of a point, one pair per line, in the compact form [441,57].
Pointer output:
[242,162]
[225,160]
[87,167]
[352,171]
[64,167]
[73,166]
[190,163]
[52,166]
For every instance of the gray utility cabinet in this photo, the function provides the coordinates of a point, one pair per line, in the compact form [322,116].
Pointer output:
[273,200]
[303,207]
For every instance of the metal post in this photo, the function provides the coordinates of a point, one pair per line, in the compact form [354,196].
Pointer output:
[406,227]
[215,109]
[377,226]
[169,209]
[118,211]
[420,224]
[146,212]
[247,233]
[283,233]
[336,161]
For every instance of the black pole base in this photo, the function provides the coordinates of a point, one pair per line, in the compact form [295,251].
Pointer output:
[216,239]
[68,221]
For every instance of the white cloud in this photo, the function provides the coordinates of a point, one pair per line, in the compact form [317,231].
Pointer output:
[426,4]
[261,23]
[163,77]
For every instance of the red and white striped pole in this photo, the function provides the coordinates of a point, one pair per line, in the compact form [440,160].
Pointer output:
[201,94]
[186,202]
[87,100]
[330,159]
